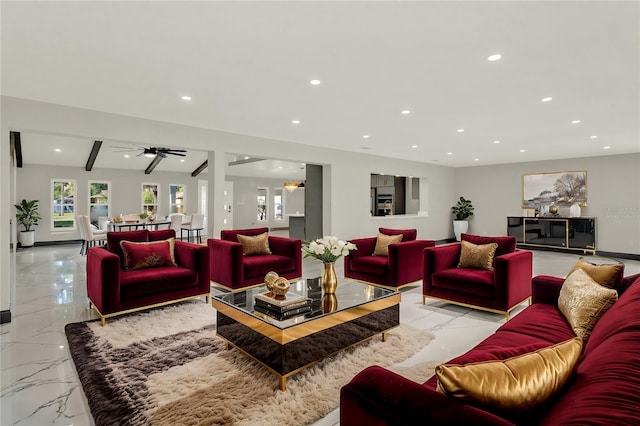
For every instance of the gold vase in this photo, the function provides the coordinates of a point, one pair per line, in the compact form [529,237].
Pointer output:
[329,278]
[329,303]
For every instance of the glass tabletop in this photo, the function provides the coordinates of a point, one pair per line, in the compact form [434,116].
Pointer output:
[349,294]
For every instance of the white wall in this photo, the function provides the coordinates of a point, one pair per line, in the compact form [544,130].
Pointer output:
[244,200]
[34,182]
[613,191]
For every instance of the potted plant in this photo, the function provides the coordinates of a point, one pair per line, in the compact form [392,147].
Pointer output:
[27,215]
[461,212]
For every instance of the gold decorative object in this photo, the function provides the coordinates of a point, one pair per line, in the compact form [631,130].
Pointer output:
[269,279]
[281,286]
[329,303]
[553,209]
[329,278]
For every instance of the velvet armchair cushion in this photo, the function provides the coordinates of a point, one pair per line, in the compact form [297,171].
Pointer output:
[382,243]
[505,244]
[142,255]
[254,245]
[407,234]
[479,256]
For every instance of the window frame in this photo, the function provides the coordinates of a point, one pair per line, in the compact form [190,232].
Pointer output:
[184,198]
[52,206]
[89,196]
[157,197]
[266,205]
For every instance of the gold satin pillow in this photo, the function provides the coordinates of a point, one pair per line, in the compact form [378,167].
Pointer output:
[515,384]
[382,243]
[583,301]
[254,244]
[605,275]
[477,256]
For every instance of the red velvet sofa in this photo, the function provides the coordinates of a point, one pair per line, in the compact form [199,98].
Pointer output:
[402,267]
[499,291]
[605,389]
[232,270]
[113,291]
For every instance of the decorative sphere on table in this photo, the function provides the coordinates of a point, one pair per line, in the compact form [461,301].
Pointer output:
[280,287]
[553,209]
[269,279]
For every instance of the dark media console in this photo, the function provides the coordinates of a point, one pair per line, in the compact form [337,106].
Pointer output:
[568,233]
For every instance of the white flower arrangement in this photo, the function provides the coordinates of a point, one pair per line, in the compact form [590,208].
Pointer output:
[328,249]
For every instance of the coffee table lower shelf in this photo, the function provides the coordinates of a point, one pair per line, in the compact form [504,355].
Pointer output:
[289,350]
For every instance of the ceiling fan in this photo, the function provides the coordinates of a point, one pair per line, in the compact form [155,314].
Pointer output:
[153,151]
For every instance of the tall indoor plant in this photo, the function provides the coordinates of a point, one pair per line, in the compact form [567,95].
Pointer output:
[461,212]
[27,215]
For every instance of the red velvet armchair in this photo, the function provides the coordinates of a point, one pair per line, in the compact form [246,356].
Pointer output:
[500,290]
[232,270]
[401,267]
[114,291]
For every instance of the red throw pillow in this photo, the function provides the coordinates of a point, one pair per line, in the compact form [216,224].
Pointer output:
[148,255]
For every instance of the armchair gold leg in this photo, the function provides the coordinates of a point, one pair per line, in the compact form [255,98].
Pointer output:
[424,299]
[103,321]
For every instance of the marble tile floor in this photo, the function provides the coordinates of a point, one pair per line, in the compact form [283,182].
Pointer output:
[39,385]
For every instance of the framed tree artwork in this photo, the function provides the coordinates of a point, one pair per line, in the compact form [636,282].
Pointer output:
[555,188]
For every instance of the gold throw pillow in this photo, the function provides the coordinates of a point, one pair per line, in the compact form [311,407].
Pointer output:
[583,301]
[477,256]
[515,384]
[253,245]
[605,275]
[382,243]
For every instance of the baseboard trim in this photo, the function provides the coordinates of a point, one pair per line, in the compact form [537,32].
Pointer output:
[446,241]
[5,316]
[55,243]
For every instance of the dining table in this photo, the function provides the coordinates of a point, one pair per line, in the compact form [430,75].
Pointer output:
[128,226]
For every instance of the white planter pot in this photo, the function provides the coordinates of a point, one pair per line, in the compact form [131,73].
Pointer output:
[26,238]
[460,227]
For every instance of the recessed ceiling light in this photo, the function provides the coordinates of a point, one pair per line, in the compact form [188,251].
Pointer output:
[366,136]
[606,147]
[523,150]
[182,160]
[460,130]
[126,156]
[449,153]
[593,137]
[575,122]
[496,141]
[414,146]
[279,167]
[405,111]
[547,99]
[57,150]
[315,82]
[303,164]
[295,121]
[476,159]
[494,57]
[185,98]
[246,157]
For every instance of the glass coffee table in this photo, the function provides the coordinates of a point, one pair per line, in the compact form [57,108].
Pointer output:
[357,313]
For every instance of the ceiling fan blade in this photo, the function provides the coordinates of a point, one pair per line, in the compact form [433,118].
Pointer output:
[175,153]
[124,148]
[172,150]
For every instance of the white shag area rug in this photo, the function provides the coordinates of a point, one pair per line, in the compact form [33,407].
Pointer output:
[167,367]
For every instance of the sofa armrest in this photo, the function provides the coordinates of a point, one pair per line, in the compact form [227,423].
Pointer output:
[377,396]
[196,258]
[226,264]
[103,279]
[406,260]
[546,289]
[513,272]
[288,247]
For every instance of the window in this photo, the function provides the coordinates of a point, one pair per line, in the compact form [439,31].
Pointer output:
[150,198]
[263,215]
[176,198]
[98,201]
[63,204]
[278,205]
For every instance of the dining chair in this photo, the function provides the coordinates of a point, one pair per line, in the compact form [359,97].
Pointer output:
[89,236]
[195,226]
